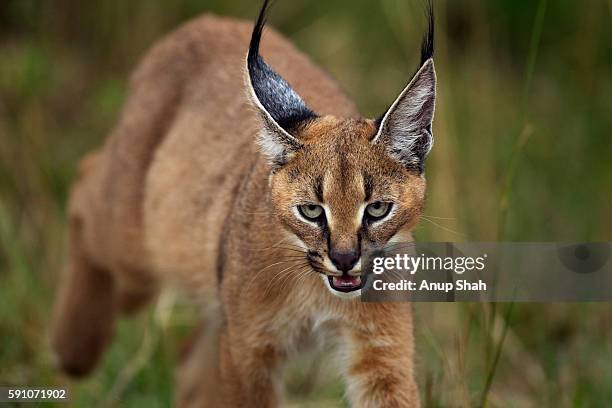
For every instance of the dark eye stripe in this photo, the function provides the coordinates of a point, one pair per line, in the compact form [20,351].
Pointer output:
[368,186]
[319,189]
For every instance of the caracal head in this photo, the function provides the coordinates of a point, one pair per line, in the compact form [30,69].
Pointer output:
[343,187]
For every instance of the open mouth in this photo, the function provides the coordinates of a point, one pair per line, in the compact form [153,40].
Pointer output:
[345,283]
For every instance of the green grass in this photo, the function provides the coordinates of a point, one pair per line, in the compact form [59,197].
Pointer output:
[522,153]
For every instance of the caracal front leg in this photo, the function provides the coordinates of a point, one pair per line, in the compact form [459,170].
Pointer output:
[380,371]
[249,370]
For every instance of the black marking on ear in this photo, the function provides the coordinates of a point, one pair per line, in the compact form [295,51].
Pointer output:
[427,45]
[276,96]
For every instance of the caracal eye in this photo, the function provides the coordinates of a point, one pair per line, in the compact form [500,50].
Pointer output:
[378,209]
[311,211]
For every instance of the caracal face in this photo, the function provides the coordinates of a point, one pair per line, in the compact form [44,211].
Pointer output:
[341,196]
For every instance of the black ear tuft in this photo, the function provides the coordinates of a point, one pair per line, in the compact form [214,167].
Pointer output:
[427,46]
[406,127]
[275,95]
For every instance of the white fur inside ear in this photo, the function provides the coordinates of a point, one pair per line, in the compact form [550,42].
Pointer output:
[269,145]
[406,127]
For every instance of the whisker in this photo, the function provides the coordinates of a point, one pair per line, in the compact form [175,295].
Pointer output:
[266,268]
[292,256]
[276,276]
[278,246]
[301,274]
[300,271]
[438,218]
[444,228]
[289,248]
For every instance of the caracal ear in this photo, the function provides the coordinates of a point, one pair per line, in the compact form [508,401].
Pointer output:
[280,108]
[406,128]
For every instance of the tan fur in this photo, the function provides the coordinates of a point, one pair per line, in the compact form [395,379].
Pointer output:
[179,194]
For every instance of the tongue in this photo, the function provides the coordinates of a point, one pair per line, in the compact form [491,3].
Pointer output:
[346,281]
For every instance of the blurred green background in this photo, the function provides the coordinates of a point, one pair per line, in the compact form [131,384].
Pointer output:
[523,152]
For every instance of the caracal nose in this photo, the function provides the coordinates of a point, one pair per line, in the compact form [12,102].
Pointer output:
[344,260]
